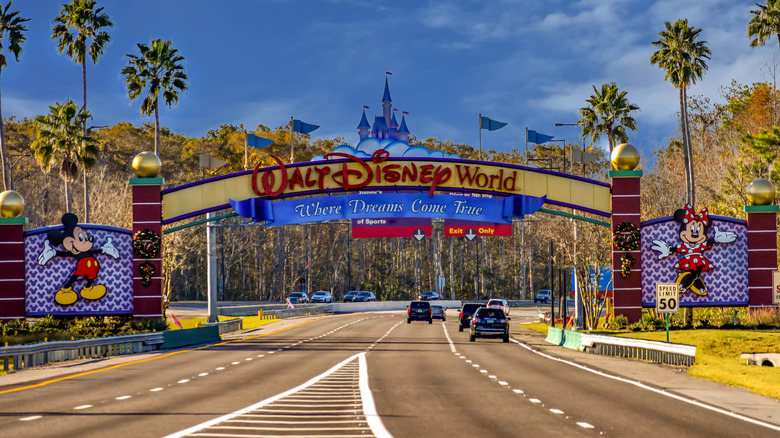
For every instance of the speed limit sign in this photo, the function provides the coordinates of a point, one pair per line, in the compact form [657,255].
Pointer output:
[667,298]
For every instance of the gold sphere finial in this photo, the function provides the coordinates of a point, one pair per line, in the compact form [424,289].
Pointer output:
[624,157]
[146,165]
[11,204]
[761,192]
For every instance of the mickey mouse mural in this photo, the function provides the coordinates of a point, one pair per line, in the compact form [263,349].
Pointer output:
[693,234]
[78,244]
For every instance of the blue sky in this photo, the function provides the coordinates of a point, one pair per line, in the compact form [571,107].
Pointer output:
[526,62]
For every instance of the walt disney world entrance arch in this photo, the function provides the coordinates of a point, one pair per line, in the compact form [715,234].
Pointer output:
[383,181]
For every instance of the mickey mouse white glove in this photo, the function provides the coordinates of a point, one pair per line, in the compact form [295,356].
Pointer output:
[109,249]
[47,253]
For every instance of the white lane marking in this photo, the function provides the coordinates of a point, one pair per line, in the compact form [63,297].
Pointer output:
[375,423]
[556,411]
[483,371]
[475,365]
[492,377]
[83,407]
[585,425]
[203,374]
[502,383]
[183,381]
[518,391]
[123,397]
[657,391]
[30,418]
[248,358]
[235,363]
[369,409]
[534,400]
[447,334]
[220,368]
[468,361]
[155,389]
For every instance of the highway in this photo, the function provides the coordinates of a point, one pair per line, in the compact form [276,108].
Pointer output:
[369,374]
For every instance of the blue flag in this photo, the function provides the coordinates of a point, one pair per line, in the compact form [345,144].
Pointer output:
[303,128]
[535,137]
[257,142]
[490,124]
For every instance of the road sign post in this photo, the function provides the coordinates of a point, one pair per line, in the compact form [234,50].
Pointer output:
[667,300]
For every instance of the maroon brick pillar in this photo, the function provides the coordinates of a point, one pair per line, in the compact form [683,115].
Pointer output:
[11,268]
[147,215]
[626,208]
[762,254]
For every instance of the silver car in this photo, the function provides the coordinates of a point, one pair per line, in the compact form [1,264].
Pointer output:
[438,312]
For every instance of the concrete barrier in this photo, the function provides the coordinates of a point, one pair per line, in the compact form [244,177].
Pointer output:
[376,306]
[554,335]
[193,336]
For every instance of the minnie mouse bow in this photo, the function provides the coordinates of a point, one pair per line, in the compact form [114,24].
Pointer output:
[690,215]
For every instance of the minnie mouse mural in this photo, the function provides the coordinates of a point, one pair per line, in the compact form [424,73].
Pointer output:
[693,234]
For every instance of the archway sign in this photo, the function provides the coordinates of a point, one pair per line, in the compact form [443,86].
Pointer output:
[410,187]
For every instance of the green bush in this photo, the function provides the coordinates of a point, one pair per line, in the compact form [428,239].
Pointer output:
[16,327]
[50,324]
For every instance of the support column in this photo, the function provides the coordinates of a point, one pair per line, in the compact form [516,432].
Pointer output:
[626,208]
[12,268]
[762,254]
[147,217]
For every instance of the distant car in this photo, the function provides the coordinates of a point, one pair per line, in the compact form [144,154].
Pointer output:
[489,322]
[363,297]
[349,296]
[298,297]
[499,303]
[321,296]
[438,312]
[429,295]
[466,312]
[419,311]
[543,296]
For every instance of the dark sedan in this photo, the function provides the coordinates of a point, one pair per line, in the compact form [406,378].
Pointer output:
[298,297]
[363,297]
[466,312]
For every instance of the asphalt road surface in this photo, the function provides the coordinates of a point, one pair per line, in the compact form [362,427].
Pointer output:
[353,375]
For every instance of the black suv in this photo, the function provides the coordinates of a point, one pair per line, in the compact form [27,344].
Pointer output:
[420,311]
[489,322]
[466,312]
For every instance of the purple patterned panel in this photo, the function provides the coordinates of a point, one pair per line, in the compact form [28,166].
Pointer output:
[727,283]
[43,282]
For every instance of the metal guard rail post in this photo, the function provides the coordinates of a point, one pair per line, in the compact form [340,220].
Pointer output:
[653,351]
[27,355]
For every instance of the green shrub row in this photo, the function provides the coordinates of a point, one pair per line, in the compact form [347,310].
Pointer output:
[708,317]
[61,328]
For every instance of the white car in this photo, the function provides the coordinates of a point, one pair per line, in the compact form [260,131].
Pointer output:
[500,303]
[543,296]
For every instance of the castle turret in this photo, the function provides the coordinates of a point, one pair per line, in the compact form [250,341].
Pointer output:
[403,131]
[363,128]
[387,105]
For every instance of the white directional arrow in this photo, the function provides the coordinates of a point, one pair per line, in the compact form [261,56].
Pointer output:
[419,235]
[470,234]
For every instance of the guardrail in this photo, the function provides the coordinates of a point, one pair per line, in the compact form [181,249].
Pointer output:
[27,355]
[652,351]
[228,326]
[299,311]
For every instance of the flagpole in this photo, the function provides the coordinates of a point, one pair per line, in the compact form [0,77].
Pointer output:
[292,139]
[246,152]
[480,136]
[526,146]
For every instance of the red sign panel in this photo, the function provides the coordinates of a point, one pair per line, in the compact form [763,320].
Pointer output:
[458,228]
[391,227]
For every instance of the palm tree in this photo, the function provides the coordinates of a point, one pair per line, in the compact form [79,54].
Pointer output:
[10,26]
[765,23]
[608,113]
[684,60]
[61,138]
[157,70]
[77,30]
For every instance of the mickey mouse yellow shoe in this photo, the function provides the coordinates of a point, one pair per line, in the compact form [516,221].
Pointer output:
[66,296]
[93,292]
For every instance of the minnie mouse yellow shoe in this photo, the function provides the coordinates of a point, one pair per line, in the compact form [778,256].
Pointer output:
[66,296]
[93,292]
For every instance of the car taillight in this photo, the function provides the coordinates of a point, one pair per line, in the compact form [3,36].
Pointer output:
[409,310]
[461,314]
[475,319]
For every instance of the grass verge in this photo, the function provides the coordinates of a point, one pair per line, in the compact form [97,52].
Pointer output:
[250,322]
[717,355]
